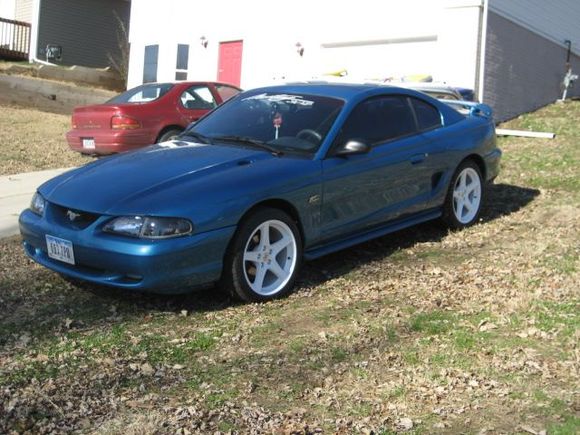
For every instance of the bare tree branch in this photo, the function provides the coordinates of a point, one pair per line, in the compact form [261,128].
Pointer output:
[120,61]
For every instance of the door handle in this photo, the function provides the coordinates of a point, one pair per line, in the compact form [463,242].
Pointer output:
[418,158]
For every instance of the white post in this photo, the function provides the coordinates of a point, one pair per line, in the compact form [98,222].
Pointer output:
[482,46]
[34,30]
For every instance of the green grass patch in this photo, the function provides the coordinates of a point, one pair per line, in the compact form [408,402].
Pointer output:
[395,393]
[561,316]
[565,263]
[570,426]
[217,399]
[433,323]
[337,354]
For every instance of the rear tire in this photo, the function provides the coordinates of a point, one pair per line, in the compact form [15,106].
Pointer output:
[169,135]
[465,196]
[264,257]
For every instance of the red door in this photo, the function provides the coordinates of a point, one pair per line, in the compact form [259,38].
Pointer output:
[230,62]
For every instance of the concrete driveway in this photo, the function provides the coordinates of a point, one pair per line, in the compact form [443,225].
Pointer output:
[15,194]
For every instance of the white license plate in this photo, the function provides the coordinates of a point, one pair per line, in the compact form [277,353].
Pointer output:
[89,143]
[60,249]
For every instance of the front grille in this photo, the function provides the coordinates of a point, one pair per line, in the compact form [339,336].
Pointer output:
[72,218]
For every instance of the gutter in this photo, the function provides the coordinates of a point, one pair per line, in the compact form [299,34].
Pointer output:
[34,35]
[482,48]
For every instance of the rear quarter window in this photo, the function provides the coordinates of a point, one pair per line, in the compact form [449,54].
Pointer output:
[428,117]
[142,94]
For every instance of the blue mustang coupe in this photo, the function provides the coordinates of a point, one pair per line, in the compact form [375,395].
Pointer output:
[274,176]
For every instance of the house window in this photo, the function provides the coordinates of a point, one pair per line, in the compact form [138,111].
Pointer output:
[150,63]
[182,62]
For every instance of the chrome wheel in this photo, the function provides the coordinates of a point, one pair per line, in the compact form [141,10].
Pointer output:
[270,257]
[467,195]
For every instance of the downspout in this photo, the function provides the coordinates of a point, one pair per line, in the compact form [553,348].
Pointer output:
[482,46]
[34,35]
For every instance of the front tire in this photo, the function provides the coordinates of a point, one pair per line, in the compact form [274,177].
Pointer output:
[465,196]
[264,257]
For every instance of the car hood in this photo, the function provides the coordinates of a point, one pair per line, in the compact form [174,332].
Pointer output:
[112,185]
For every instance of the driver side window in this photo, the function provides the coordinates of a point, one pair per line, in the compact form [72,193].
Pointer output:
[378,120]
[198,98]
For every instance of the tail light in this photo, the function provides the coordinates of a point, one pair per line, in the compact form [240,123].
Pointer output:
[73,122]
[122,122]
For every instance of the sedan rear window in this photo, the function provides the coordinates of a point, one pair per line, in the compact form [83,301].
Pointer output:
[142,94]
[227,92]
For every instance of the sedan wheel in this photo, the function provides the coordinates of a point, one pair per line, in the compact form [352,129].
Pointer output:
[168,135]
[264,257]
[463,203]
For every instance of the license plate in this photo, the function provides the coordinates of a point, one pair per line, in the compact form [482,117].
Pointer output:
[60,249]
[89,143]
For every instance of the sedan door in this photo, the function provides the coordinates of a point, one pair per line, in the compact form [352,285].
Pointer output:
[392,180]
[195,102]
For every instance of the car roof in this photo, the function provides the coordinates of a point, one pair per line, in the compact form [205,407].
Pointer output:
[331,89]
[188,83]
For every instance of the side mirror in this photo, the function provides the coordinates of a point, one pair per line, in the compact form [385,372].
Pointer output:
[352,147]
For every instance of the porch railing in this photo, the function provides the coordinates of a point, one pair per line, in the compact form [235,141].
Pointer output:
[14,39]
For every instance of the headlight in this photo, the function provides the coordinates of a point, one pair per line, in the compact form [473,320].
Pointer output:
[37,204]
[149,227]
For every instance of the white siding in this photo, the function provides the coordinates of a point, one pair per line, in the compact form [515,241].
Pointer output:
[555,20]
[7,8]
[23,11]
[369,38]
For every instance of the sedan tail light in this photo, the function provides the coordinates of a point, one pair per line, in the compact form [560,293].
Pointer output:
[122,122]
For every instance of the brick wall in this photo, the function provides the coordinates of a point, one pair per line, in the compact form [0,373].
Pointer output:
[523,71]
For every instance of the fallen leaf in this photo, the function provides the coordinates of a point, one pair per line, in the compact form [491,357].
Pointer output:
[405,424]
[146,369]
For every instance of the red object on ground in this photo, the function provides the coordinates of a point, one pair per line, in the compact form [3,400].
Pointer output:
[150,113]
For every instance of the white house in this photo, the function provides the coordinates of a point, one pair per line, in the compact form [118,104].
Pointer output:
[512,53]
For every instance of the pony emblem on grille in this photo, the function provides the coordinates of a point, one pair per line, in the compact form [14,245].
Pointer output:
[72,216]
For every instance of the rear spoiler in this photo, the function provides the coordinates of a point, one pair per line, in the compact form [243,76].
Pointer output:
[470,108]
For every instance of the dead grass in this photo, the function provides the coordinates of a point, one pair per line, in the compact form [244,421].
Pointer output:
[32,141]
[422,331]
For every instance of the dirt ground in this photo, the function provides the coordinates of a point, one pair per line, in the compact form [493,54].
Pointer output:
[423,331]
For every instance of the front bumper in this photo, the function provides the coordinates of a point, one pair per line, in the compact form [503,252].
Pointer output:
[161,266]
[110,141]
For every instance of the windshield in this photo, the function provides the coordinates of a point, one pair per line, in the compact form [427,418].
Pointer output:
[142,94]
[285,122]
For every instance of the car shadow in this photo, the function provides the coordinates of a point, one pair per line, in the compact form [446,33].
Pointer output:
[501,200]
[59,306]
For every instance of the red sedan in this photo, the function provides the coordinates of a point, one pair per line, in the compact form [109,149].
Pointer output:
[147,114]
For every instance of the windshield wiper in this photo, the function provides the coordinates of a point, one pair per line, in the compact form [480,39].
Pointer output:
[200,137]
[249,141]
